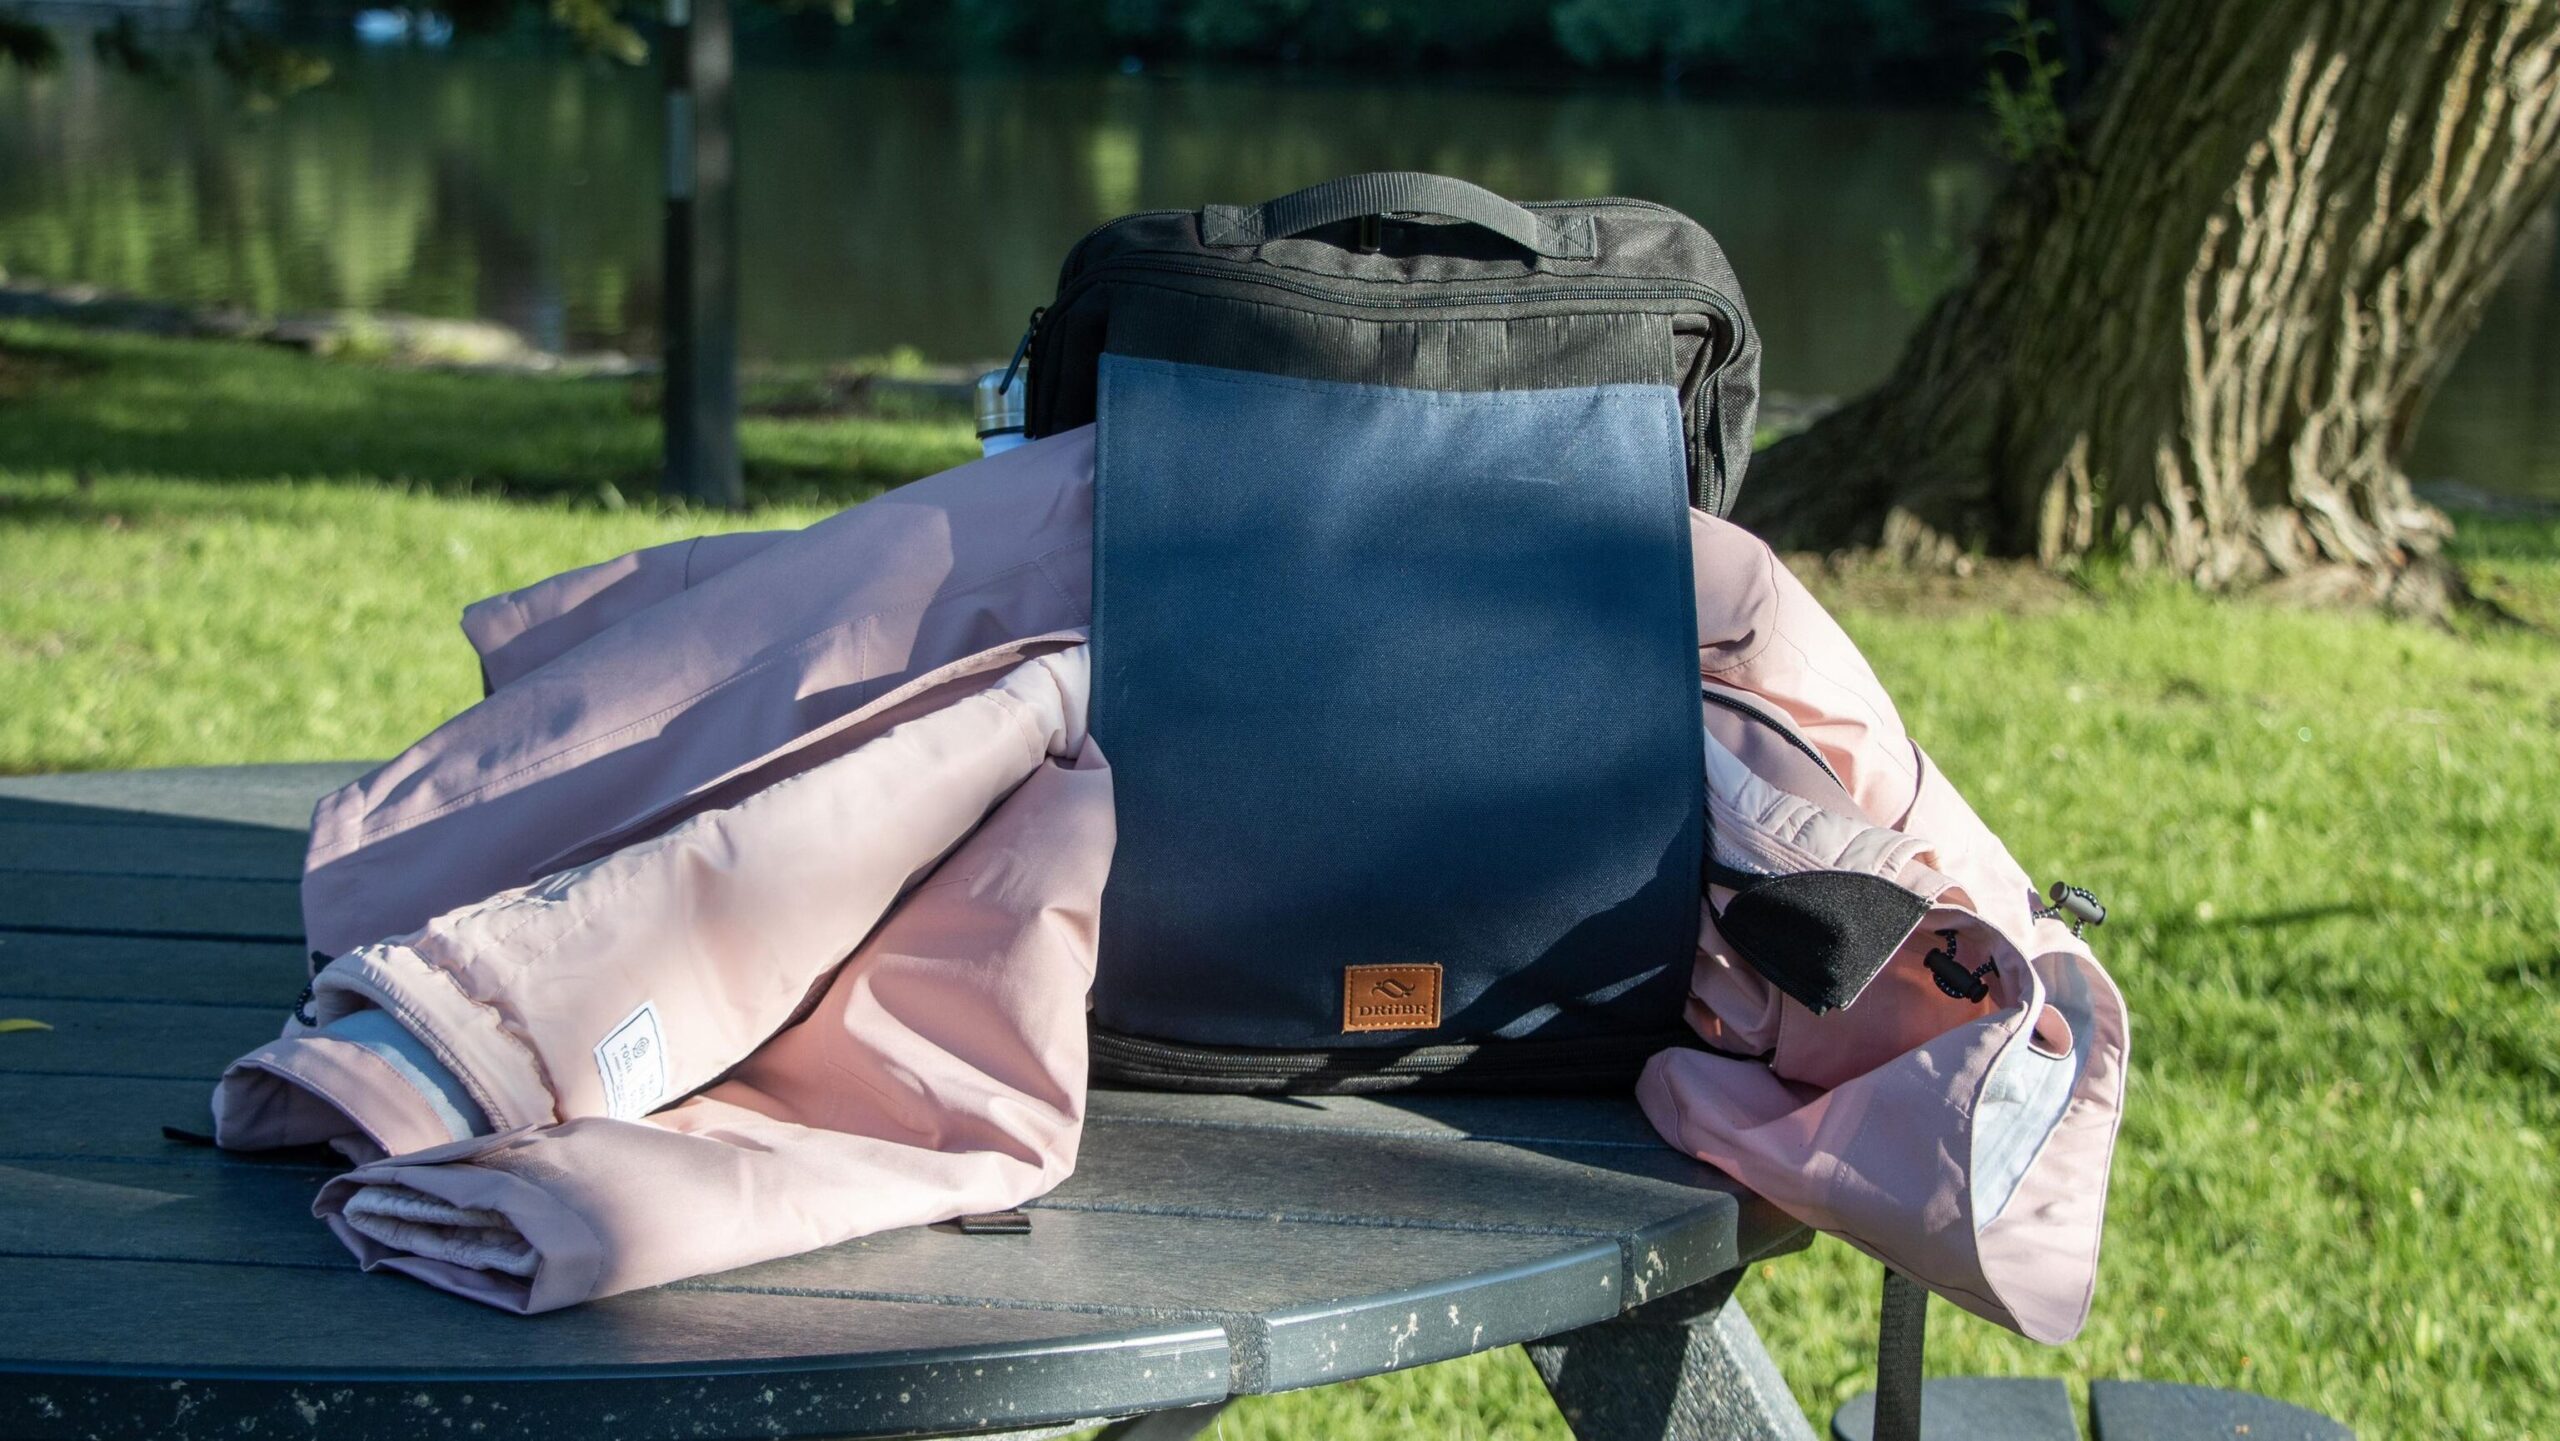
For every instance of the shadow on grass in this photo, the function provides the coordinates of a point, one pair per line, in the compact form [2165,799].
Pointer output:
[2175,925]
[92,404]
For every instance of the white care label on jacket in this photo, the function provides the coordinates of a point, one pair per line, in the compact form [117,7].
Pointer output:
[633,1062]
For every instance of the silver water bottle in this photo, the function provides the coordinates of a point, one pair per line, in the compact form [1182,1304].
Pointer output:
[1000,398]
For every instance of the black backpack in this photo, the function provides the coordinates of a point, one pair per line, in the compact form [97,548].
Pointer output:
[1394,634]
[1251,287]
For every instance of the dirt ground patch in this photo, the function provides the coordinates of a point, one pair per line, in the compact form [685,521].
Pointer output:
[1856,580]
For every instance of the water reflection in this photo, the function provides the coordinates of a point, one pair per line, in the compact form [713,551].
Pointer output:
[884,210]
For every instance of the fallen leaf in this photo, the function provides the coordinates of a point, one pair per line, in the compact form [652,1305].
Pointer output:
[21,1023]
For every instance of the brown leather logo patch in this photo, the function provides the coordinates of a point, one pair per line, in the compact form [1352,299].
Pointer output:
[1390,998]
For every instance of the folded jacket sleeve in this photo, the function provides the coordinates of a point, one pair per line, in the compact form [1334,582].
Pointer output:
[942,1073]
[615,987]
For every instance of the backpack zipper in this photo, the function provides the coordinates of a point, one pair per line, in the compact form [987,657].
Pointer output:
[1070,291]
[1594,1062]
[1071,282]
[1075,252]
[1362,299]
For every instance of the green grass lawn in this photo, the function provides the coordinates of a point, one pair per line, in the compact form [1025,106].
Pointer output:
[2331,843]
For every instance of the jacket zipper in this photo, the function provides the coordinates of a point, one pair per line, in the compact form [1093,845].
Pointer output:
[1785,732]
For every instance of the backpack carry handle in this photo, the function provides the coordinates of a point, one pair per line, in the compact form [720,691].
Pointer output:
[1385,192]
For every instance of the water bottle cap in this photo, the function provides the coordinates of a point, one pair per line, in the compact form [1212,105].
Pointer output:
[999,406]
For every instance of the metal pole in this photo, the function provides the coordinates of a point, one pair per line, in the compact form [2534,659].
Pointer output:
[700,403]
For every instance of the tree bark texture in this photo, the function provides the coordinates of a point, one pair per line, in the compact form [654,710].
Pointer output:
[2201,336]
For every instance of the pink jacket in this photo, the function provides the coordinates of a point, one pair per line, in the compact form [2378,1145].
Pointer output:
[708,772]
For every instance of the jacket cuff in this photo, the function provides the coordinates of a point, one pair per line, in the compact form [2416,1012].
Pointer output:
[468,1035]
[568,1257]
[317,1090]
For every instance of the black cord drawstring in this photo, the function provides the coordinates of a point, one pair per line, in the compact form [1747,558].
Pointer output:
[302,1003]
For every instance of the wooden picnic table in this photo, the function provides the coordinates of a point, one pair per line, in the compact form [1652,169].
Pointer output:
[1207,1247]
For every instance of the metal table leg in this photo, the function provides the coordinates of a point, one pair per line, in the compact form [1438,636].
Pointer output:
[1688,1367]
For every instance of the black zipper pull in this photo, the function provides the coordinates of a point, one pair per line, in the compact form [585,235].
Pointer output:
[1021,353]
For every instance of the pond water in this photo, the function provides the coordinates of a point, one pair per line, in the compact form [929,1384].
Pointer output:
[883,209]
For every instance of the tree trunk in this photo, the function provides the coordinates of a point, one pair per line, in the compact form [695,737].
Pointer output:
[2201,336]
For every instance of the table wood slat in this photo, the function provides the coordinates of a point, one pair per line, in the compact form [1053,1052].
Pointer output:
[151,906]
[265,974]
[115,1118]
[204,850]
[275,796]
[1387,1182]
[181,1041]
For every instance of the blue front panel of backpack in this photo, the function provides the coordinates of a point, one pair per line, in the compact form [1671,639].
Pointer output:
[1393,678]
